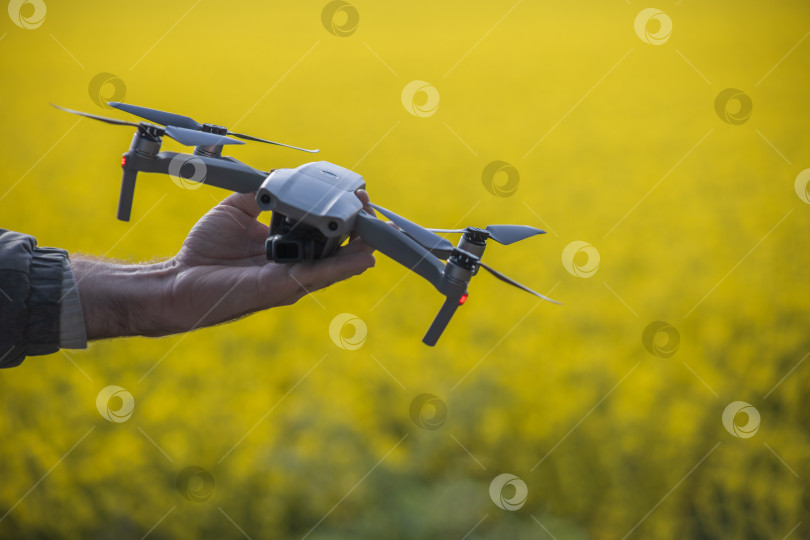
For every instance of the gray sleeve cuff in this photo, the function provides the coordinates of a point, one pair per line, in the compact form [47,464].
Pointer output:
[72,332]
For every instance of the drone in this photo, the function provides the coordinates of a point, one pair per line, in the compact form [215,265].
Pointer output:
[314,207]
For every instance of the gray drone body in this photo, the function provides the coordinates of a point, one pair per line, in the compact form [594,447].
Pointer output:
[314,207]
[314,210]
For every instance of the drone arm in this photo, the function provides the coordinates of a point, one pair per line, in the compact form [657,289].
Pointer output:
[401,248]
[224,173]
[232,175]
[409,253]
[218,172]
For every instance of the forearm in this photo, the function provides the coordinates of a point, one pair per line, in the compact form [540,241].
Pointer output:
[121,299]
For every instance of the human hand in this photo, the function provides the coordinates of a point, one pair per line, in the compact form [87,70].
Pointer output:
[221,273]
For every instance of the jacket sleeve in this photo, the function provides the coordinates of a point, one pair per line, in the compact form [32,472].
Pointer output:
[39,303]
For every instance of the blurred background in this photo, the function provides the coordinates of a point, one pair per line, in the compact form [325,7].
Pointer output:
[667,398]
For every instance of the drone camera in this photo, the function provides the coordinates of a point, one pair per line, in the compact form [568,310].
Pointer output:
[287,250]
[295,246]
[283,250]
[290,241]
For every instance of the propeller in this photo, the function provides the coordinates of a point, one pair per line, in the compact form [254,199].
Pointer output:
[113,121]
[182,135]
[189,137]
[160,117]
[504,277]
[440,246]
[511,281]
[503,234]
[178,120]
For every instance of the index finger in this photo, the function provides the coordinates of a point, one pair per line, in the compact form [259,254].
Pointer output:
[362,194]
[246,202]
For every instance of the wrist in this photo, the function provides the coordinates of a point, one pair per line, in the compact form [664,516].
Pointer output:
[121,300]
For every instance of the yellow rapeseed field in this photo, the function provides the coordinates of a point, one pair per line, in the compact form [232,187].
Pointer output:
[677,214]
